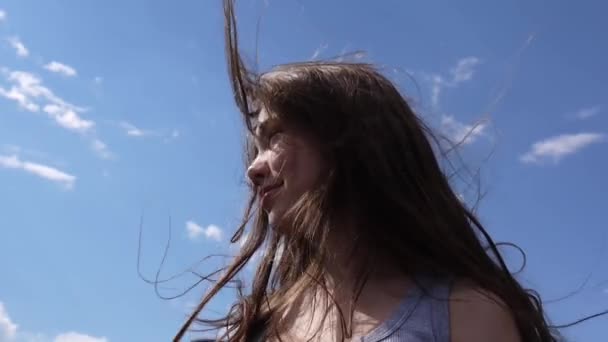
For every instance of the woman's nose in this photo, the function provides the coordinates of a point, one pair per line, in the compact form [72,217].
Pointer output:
[258,171]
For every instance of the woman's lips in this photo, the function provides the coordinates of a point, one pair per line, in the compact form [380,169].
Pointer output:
[268,193]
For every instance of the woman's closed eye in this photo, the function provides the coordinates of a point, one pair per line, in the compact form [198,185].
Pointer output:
[268,141]
[274,138]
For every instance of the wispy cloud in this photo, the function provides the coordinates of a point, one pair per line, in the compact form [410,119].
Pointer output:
[350,56]
[464,69]
[555,148]
[10,332]
[101,149]
[31,86]
[19,150]
[19,47]
[22,100]
[318,51]
[29,92]
[2,15]
[27,89]
[175,133]
[588,112]
[61,68]
[437,84]
[133,131]
[68,118]
[98,80]
[462,72]
[459,132]
[43,171]
[8,329]
[194,231]
[78,337]
[213,232]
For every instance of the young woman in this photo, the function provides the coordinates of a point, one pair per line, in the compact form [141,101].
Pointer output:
[363,238]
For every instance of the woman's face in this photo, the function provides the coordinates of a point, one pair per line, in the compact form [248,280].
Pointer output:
[285,167]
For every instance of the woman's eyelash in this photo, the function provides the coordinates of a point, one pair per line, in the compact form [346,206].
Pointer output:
[264,140]
[272,134]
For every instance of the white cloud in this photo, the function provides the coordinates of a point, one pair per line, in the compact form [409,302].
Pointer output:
[71,336]
[9,333]
[133,131]
[460,133]
[68,119]
[194,231]
[2,15]
[586,113]
[318,51]
[27,88]
[31,86]
[98,80]
[213,232]
[101,149]
[40,170]
[555,148]
[464,69]
[77,337]
[60,68]
[19,47]
[436,84]
[8,329]
[22,100]
[10,149]
[350,56]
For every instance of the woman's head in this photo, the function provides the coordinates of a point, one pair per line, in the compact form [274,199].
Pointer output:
[345,135]
[334,150]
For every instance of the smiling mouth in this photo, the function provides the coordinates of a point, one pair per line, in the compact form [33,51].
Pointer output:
[267,192]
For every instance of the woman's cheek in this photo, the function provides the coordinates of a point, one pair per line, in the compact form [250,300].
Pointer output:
[278,161]
[284,155]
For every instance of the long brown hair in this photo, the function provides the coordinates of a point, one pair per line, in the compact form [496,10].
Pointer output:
[376,147]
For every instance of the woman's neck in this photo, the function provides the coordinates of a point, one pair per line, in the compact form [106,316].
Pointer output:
[319,311]
[350,286]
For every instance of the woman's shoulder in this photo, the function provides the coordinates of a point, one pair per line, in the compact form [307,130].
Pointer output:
[479,315]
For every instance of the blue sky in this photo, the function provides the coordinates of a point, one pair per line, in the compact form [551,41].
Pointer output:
[113,109]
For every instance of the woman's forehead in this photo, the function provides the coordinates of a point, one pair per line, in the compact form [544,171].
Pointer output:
[261,121]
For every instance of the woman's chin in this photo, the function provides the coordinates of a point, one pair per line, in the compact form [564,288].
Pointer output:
[275,218]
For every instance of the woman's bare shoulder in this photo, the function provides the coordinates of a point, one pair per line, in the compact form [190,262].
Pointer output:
[477,315]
